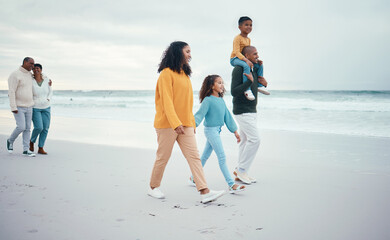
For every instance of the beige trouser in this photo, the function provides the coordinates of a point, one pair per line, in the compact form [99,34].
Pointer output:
[166,138]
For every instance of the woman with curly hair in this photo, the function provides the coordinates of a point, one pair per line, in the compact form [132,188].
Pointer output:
[42,92]
[174,120]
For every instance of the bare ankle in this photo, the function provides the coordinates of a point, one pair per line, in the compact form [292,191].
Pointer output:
[204,191]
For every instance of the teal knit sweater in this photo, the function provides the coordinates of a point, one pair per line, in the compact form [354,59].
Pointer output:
[214,111]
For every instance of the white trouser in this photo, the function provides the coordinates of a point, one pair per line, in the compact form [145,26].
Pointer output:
[250,140]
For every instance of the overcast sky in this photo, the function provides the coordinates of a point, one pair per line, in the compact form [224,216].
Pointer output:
[305,45]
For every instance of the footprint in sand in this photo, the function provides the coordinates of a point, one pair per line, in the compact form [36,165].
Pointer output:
[209,230]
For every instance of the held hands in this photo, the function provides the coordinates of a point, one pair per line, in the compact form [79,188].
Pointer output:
[179,130]
[16,111]
[237,136]
[50,82]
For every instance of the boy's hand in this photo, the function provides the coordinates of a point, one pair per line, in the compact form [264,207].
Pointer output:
[262,81]
[250,64]
[249,76]
[259,62]
[237,136]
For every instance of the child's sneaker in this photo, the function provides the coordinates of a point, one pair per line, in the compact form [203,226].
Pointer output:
[263,90]
[249,95]
[191,182]
[239,188]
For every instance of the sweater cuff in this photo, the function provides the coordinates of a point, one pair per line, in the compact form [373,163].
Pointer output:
[175,125]
[233,130]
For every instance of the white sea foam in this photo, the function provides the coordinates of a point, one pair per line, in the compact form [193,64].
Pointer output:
[342,112]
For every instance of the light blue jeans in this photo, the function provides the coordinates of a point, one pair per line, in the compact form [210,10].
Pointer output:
[214,143]
[41,120]
[238,62]
[23,124]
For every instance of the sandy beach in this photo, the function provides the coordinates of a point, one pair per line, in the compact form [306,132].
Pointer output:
[93,185]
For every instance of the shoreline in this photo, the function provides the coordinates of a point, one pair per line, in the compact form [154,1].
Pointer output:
[310,186]
[124,133]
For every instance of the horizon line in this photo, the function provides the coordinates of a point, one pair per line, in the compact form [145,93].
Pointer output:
[327,90]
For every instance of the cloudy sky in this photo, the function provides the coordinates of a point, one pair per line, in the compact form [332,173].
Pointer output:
[93,44]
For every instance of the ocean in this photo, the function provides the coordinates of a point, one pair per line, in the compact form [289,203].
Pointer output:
[363,113]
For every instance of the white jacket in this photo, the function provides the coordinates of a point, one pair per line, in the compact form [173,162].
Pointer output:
[42,94]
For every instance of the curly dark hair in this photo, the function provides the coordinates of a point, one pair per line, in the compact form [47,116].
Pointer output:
[38,65]
[207,87]
[173,58]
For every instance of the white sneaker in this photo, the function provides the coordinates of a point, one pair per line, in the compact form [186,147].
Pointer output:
[253,180]
[29,153]
[263,90]
[156,193]
[249,95]
[211,196]
[243,177]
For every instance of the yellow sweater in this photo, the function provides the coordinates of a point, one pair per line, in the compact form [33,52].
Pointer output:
[174,100]
[239,43]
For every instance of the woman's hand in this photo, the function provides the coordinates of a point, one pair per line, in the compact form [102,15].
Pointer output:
[179,130]
[50,82]
[237,136]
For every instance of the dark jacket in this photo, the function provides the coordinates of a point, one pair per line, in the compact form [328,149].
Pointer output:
[240,103]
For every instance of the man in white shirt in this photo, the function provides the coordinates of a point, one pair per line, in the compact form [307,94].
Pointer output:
[20,95]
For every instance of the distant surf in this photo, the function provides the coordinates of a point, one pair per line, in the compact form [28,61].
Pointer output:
[365,113]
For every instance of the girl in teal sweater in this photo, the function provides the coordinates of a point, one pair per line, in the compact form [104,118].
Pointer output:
[215,114]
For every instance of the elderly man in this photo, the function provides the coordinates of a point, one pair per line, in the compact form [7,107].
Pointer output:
[21,101]
[245,114]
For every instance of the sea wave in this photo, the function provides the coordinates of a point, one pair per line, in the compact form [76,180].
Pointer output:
[364,113]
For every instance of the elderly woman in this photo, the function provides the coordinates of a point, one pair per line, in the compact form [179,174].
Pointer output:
[174,120]
[42,93]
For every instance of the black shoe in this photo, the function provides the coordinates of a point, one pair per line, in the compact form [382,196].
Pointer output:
[29,153]
[10,146]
